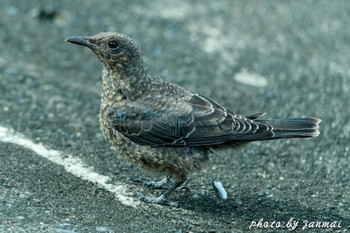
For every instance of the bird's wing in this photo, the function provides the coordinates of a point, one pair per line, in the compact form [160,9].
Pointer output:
[205,123]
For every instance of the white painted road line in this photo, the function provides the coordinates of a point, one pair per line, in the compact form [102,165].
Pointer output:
[70,163]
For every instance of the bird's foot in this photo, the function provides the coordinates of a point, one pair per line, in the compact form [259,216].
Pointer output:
[151,183]
[156,200]
[185,191]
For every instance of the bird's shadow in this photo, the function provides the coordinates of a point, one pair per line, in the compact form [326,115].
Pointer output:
[252,208]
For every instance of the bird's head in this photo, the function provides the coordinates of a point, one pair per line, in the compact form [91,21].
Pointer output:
[115,50]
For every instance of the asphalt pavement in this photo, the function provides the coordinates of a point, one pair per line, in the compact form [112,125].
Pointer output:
[285,58]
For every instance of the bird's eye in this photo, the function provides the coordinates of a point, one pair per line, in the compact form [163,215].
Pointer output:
[113,44]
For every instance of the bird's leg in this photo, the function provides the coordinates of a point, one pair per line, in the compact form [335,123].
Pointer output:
[151,183]
[159,184]
[172,188]
[162,198]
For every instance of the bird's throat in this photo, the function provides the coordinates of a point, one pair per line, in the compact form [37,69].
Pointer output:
[118,86]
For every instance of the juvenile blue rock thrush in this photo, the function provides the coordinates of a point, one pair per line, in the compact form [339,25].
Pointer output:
[166,128]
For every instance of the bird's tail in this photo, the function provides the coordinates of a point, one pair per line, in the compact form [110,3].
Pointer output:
[293,127]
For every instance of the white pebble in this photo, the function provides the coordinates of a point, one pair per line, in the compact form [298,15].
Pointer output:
[219,189]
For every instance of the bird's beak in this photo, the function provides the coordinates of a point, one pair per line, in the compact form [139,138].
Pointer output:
[81,40]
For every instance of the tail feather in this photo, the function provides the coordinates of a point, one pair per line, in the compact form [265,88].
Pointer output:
[293,127]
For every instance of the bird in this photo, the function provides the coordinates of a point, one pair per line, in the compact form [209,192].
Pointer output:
[168,129]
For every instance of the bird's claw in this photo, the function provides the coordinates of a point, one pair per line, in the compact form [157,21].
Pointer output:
[156,200]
